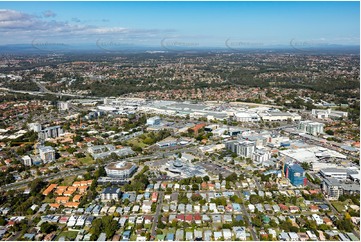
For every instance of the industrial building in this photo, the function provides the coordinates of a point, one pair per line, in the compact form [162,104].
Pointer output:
[336,173]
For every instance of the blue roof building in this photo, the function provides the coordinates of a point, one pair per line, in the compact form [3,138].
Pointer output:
[296,174]
[170,237]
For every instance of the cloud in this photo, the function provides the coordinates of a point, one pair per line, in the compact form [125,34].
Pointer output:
[48,14]
[27,27]
[76,20]
[14,19]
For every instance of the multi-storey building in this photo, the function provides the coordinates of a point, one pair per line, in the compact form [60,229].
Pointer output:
[50,132]
[121,170]
[47,154]
[296,174]
[310,127]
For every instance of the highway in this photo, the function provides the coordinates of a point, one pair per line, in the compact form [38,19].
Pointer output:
[42,93]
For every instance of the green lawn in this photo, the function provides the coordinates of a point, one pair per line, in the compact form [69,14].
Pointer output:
[88,160]
[133,237]
[49,200]
[69,235]
[68,181]
[147,226]
[137,142]
[338,206]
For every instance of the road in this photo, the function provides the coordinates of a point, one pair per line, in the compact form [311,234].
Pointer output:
[42,93]
[247,219]
[156,215]
[83,170]
[257,184]
[339,216]
[14,237]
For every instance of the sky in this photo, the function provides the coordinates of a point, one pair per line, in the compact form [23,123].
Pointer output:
[180,24]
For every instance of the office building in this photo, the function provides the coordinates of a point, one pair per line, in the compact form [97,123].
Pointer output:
[121,170]
[296,174]
[153,121]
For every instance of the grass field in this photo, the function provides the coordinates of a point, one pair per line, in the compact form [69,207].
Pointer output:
[68,181]
[69,235]
[338,206]
[137,142]
[49,200]
[88,160]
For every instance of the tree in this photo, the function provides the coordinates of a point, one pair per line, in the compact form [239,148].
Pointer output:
[206,178]
[196,197]
[36,186]
[195,187]
[47,228]
[2,221]
[233,177]
[154,207]
[330,132]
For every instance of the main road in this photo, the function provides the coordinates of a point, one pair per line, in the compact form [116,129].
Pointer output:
[83,169]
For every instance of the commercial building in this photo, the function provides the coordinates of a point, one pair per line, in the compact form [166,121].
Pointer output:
[310,127]
[279,116]
[47,154]
[247,117]
[337,173]
[328,113]
[103,151]
[296,174]
[121,170]
[153,121]
[63,106]
[261,155]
